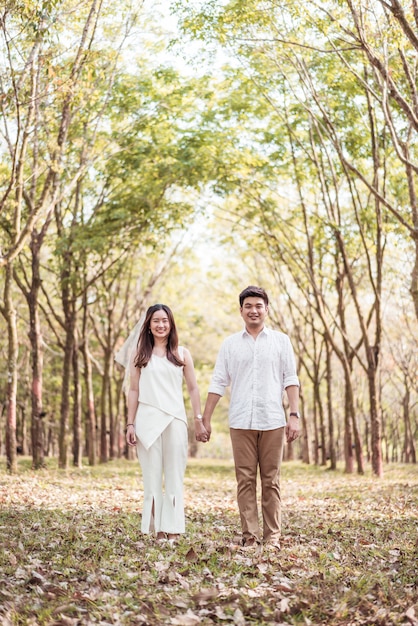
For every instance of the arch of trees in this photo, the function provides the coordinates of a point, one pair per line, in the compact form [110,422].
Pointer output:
[302,147]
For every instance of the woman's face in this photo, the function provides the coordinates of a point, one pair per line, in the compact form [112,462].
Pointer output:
[160,325]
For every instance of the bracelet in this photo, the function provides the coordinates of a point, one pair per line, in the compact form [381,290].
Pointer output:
[129,425]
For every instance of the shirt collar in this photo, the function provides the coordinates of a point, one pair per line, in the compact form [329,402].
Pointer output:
[265,331]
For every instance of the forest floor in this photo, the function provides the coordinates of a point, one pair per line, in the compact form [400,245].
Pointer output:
[71,552]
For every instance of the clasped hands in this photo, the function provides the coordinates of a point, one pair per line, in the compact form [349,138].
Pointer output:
[202,433]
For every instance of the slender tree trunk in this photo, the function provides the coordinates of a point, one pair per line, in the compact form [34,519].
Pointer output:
[108,434]
[322,432]
[375,419]
[120,420]
[367,438]
[409,451]
[385,438]
[12,355]
[331,449]
[358,446]
[65,402]
[2,408]
[315,426]
[104,448]
[68,307]
[77,411]
[24,430]
[348,437]
[35,337]
[91,422]
[91,409]
[113,426]
[320,442]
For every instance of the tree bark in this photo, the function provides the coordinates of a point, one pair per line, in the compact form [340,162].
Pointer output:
[9,312]
[409,451]
[104,432]
[348,414]
[330,410]
[375,418]
[69,315]
[35,336]
[91,427]
[77,410]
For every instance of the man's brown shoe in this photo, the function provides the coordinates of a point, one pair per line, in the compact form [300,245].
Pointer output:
[249,543]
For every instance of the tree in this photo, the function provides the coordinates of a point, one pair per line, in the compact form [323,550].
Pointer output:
[73,167]
[290,55]
[40,97]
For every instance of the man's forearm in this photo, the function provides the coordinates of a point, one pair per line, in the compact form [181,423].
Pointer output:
[211,402]
[293,397]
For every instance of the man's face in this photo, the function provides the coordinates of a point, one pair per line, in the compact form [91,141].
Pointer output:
[254,312]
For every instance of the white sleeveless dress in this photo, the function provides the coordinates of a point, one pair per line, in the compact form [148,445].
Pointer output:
[160,398]
[161,430]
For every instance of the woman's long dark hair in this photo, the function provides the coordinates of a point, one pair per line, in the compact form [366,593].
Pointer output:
[146,339]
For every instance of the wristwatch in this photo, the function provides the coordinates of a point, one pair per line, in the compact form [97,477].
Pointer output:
[198,417]
[295,413]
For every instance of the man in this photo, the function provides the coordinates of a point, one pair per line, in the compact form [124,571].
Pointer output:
[259,364]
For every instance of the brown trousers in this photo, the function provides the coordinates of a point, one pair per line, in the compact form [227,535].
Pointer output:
[255,449]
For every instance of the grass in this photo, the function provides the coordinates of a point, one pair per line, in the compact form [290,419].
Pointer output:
[72,552]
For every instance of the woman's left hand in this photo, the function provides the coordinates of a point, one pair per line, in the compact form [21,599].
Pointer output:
[130,435]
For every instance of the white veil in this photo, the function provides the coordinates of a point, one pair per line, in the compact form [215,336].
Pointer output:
[125,353]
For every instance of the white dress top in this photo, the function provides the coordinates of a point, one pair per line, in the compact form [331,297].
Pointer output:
[160,398]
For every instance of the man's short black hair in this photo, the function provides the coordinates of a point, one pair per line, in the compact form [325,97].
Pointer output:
[253,292]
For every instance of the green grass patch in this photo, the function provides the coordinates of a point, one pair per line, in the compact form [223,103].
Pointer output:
[72,551]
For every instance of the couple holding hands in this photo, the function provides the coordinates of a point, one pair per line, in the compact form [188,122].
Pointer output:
[258,364]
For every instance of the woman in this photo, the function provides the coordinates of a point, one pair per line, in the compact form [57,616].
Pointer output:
[157,421]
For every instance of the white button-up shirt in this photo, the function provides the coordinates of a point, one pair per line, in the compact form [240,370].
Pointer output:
[258,372]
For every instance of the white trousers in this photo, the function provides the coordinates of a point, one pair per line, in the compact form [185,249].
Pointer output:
[163,466]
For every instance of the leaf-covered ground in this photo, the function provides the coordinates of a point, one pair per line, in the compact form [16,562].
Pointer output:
[72,553]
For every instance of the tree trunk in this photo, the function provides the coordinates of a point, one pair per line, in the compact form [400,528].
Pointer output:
[69,314]
[35,337]
[23,448]
[331,448]
[315,426]
[120,418]
[348,414]
[375,417]
[108,435]
[77,411]
[65,402]
[320,435]
[104,448]
[91,422]
[12,355]
[409,452]
[376,434]
[414,273]
[113,422]
[91,409]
